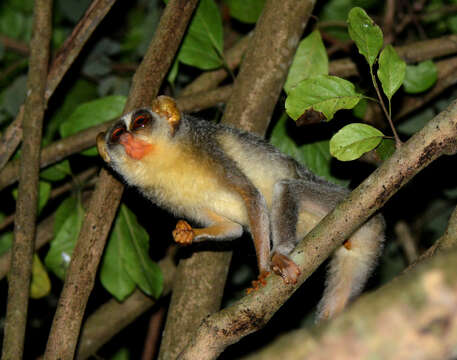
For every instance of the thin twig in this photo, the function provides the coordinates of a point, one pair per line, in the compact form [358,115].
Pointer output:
[386,113]
[407,241]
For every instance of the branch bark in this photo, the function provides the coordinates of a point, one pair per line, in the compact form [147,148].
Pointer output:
[257,88]
[27,201]
[105,200]
[413,317]
[228,326]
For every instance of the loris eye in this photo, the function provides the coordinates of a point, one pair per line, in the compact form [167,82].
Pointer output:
[141,119]
[116,134]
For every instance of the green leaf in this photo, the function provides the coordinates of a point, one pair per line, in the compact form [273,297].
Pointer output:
[93,113]
[353,140]
[12,22]
[122,354]
[315,156]
[113,275]
[25,6]
[126,261]
[203,44]
[323,93]
[365,33]
[310,60]
[245,11]
[6,240]
[385,149]
[59,254]
[82,91]
[420,77]
[336,11]
[360,109]
[44,192]
[40,285]
[64,211]
[391,71]
[56,172]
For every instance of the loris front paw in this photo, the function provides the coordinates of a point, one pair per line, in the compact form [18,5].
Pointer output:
[183,233]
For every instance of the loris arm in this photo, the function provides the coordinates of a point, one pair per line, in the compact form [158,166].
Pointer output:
[221,228]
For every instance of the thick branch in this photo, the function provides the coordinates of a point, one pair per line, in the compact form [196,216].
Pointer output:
[252,312]
[267,60]
[107,194]
[413,317]
[26,205]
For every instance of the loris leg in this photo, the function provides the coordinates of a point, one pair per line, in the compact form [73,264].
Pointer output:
[284,217]
[298,205]
[220,228]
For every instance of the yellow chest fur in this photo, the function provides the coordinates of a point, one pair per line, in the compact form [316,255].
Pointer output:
[175,179]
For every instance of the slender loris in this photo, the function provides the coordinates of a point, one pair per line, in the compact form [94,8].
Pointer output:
[227,180]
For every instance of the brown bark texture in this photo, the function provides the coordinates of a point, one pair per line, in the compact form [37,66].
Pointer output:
[26,205]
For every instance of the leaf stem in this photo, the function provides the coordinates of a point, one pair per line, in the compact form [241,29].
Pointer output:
[398,142]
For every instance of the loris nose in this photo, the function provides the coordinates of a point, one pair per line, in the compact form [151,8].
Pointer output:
[125,138]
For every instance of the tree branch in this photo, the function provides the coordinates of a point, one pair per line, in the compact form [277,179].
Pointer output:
[413,317]
[27,201]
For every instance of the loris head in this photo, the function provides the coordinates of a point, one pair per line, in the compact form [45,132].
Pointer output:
[133,138]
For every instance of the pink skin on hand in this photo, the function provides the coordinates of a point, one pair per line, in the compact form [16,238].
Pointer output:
[135,148]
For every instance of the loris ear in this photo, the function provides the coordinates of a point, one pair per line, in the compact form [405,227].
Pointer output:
[166,106]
